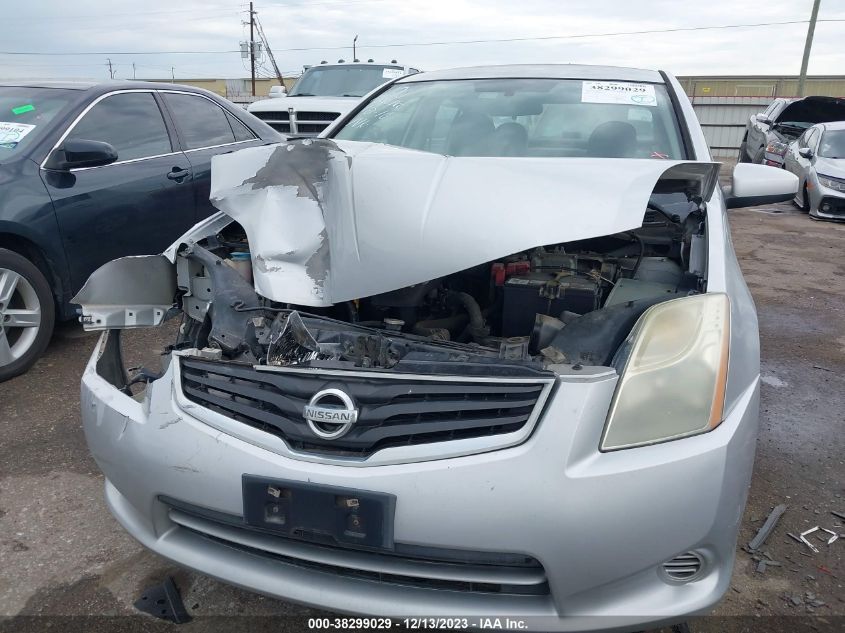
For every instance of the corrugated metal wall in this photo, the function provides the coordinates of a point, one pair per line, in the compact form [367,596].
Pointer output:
[724,104]
[723,120]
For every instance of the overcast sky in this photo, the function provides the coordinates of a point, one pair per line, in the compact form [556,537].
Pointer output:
[107,29]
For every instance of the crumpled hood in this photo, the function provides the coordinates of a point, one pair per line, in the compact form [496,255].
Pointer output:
[830,166]
[329,222]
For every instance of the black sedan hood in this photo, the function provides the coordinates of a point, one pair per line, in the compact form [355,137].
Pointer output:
[814,110]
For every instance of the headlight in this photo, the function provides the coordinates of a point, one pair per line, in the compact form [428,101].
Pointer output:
[837,184]
[776,147]
[675,369]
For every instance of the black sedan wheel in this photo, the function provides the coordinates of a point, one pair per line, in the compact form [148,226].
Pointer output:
[27,314]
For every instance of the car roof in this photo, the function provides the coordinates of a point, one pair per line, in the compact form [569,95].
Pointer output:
[541,71]
[31,83]
[833,125]
[101,86]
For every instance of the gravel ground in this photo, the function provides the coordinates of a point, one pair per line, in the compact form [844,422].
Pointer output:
[61,553]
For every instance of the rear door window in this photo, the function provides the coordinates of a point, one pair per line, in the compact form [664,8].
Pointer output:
[131,122]
[201,123]
[242,132]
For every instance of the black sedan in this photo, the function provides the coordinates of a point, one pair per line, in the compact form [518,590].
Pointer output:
[91,172]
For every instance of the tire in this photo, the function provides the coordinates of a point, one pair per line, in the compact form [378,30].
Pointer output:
[758,158]
[27,314]
[805,200]
[743,153]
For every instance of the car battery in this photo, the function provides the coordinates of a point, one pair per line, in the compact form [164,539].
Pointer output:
[534,293]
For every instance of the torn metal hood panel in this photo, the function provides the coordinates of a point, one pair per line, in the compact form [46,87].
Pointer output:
[329,222]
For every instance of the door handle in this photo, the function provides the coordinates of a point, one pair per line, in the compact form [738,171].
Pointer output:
[178,174]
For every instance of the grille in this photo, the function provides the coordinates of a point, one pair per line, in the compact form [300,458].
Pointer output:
[272,116]
[281,127]
[392,411]
[317,116]
[684,567]
[310,128]
[303,123]
[422,567]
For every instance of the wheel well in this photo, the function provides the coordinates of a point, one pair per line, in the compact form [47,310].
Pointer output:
[33,253]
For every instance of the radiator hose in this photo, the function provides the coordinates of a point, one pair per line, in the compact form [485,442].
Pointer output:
[477,328]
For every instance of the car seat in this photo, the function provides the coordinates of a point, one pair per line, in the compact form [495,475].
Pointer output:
[613,139]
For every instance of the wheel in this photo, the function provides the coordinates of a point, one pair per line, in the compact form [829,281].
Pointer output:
[805,200]
[758,157]
[743,153]
[27,314]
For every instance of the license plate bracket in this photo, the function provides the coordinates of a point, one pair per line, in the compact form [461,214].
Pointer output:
[314,512]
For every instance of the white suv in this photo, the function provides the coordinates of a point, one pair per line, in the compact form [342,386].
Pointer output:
[323,93]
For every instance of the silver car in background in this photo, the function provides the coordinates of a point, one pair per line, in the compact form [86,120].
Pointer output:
[818,159]
[484,350]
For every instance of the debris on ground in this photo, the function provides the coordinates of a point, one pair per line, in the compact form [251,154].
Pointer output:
[804,540]
[164,602]
[768,527]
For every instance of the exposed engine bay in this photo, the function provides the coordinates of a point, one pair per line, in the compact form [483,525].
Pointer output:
[560,304]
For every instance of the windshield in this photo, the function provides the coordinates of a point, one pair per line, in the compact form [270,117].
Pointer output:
[522,117]
[24,113]
[343,81]
[832,144]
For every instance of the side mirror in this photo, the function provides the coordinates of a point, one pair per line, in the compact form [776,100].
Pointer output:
[759,184]
[80,152]
[806,152]
[761,118]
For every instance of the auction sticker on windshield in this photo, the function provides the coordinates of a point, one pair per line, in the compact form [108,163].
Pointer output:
[392,73]
[12,133]
[621,92]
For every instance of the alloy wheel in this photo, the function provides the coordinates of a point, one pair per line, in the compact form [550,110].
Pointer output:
[20,316]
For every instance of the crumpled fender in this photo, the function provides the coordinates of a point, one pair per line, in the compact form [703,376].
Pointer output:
[129,292]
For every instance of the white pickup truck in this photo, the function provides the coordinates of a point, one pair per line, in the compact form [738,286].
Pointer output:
[323,93]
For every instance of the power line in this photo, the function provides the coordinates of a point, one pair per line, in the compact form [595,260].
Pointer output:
[562,37]
[65,54]
[446,42]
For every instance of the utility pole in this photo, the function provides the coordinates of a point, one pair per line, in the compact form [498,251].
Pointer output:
[266,43]
[173,73]
[252,45]
[354,49]
[811,29]
[111,70]
[133,70]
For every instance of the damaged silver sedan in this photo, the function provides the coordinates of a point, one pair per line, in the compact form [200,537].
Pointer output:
[482,350]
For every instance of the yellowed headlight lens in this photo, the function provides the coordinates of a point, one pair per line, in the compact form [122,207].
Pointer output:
[673,382]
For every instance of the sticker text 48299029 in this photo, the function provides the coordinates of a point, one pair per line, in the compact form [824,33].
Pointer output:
[621,92]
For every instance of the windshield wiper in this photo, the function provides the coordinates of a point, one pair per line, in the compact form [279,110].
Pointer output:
[349,95]
[302,94]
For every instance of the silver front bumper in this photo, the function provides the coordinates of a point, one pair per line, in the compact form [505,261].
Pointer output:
[600,524]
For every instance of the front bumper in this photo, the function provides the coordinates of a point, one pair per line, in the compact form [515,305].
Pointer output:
[826,203]
[599,524]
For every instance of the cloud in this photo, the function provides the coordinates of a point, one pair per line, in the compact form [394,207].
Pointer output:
[111,28]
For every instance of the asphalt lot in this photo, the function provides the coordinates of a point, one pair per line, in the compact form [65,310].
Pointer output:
[62,554]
